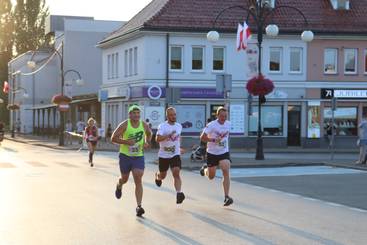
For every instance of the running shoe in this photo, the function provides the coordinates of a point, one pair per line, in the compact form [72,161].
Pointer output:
[91,164]
[228,201]
[202,170]
[118,191]
[157,181]
[180,197]
[139,211]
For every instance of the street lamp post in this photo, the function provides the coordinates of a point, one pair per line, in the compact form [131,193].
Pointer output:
[12,106]
[32,64]
[260,11]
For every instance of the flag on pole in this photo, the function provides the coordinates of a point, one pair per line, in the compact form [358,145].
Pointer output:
[6,87]
[243,34]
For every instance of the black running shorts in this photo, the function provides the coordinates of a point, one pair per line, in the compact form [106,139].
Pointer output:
[213,160]
[165,163]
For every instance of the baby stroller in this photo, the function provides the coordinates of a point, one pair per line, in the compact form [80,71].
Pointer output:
[198,153]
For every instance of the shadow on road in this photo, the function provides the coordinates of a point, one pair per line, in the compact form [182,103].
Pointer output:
[248,237]
[289,229]
[169,233]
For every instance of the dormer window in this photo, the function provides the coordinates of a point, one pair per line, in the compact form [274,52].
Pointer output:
[268,3]
[340,4]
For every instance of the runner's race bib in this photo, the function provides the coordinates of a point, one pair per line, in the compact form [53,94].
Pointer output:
[134,149]
[171,149]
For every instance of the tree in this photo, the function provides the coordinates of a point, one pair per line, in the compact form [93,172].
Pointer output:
[29,22]
[6,51]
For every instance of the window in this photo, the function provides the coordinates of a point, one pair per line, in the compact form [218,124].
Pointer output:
[126,63]
[295,60]
[218,59]
[109,67]
[345,120]
[130,62]
[271,120]
[275,59]
[330,61]
[197,58]
[136,61]
[365,61]
[350,61]
[116,65]
[176,58]
[113,66]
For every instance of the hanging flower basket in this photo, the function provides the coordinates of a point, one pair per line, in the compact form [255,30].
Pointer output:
[259,86]
[13,107]
[60,99]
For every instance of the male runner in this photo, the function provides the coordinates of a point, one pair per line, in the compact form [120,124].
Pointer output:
[134,136]
[216,133]
[168,137]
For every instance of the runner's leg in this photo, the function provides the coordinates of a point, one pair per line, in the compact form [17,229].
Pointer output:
[225,166]
[138,175]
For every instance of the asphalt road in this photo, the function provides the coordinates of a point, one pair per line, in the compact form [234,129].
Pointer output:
[54,197]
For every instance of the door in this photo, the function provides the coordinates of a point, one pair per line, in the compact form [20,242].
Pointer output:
[294,126]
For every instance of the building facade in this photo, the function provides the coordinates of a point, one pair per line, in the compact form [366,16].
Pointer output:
[158,59]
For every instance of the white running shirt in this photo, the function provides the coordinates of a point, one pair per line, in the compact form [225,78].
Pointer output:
[171,146]
[216,130]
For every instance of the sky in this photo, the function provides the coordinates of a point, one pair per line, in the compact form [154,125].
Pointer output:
[121,10]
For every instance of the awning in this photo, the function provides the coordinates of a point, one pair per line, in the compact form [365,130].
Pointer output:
[82,100]
[43,106]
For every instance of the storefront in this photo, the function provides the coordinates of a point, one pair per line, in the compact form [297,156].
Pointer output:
[344,114]
[282,115]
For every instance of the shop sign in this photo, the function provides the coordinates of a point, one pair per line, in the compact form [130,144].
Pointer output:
[64,107]
[344,93]
[200,93]
[154,92]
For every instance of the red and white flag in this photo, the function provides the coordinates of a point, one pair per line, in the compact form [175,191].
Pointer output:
[243,34]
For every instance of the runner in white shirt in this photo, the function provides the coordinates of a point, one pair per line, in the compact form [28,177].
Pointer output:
[216,133]
[168,137]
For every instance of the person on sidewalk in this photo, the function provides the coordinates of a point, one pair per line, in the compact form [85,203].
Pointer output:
[80,126]
[362,141]
[18,125]
[216,134]
[91,136]
[168,137]
[133,135]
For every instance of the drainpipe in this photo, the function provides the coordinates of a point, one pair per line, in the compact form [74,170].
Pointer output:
[167,68]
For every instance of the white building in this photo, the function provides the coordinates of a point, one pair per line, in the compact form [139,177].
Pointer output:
[75,40]
[157,50]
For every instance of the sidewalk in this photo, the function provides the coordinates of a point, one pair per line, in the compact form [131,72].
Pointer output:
[240,157]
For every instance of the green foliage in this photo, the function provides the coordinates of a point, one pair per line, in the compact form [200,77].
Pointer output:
[29,22]
[22,28]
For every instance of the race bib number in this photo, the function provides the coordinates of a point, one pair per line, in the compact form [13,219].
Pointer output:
[222,143]
[134,149]
[171,149]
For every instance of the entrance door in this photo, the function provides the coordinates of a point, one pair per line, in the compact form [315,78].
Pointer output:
[294,126]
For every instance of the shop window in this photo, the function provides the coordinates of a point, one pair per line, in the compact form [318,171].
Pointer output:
[218,59]
[191,117]
[197,58]
[350,61]
[271,121]
[330,60]
[345,120]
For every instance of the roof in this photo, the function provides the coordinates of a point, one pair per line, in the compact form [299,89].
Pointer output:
[199,15]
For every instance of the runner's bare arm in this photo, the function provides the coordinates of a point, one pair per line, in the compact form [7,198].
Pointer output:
[205,138]
[148,133]
[160,138]
[117,135]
